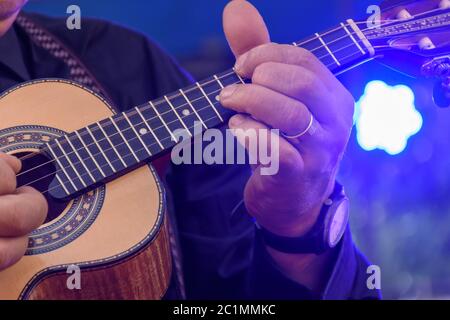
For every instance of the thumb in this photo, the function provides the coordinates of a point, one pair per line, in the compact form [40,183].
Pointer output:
[244,27]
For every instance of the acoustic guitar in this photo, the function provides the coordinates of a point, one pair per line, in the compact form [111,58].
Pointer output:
[106,203]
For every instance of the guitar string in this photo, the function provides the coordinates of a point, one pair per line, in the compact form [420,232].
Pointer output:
[66,155]
[143,108]
[296,44]
[122,143]
[113,161]
[390,21]
[178,95]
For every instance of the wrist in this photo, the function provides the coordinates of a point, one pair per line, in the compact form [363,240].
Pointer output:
[325,233]
[304,221]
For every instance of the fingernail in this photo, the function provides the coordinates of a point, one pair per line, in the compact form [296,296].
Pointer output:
[236,120]
[227,92]
[239,66]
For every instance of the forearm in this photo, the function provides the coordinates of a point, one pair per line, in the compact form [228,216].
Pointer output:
[309,270]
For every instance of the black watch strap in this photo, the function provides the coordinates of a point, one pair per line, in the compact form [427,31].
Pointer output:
[312,242]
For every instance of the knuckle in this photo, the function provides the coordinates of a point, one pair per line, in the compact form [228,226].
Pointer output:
[308,82]
[293,115]
[263,73]
[258,53]
[300,55]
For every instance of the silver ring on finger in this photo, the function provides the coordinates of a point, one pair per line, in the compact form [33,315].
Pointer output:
[301,134]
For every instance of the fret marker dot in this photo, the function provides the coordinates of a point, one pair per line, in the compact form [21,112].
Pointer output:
[186,112]
[142,131]
[217,98]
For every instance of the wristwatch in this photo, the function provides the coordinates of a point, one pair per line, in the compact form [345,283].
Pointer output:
[324,235]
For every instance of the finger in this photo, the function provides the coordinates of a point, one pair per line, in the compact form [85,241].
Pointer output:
[22,212]
[14,162]
[244,27]
[330,107]
[299,84]
[8,179]
[11,250]
[287,54]
[263,104]
[282,154]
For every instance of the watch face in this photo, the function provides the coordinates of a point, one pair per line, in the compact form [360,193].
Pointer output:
[338,222]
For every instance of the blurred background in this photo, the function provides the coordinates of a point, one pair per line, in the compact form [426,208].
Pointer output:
[399,195]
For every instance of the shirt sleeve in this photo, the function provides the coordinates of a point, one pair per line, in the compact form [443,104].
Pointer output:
[348,279]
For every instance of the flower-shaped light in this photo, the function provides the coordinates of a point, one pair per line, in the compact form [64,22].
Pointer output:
[386,117]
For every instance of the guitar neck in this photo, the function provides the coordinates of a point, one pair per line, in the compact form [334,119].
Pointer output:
[109,148]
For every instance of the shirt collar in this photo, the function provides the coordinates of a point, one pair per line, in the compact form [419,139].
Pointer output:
[11,54]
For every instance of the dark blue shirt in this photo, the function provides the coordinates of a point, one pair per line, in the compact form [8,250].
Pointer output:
[221,257]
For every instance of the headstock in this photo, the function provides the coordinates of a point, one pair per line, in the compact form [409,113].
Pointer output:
[414,37]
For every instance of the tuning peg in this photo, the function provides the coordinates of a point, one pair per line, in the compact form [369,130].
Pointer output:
[425,43]
[444,4]
[404,15]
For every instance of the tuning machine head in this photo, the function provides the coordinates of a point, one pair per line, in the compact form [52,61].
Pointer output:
[441,93]
[439,67]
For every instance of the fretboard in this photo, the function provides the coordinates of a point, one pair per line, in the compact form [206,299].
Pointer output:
[111,147]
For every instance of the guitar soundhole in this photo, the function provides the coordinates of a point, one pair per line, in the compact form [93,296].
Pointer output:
[38,171]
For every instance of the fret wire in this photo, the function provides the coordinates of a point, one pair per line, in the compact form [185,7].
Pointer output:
[294,43]
[62,184]
[212,118]
[328,49]
[137,134]
[150,129]
[315,38]
[206,120]
[71,165]
[79,157]
[112,145]
[61,166]
[193,109]
[178,116]
[207,98]
[219,82]
[90,154]
[101,150]
[362,37]
[353,38]
[240,78]
[162,120]
[123,138]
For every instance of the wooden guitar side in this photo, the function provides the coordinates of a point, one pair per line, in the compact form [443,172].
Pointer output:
[124,253]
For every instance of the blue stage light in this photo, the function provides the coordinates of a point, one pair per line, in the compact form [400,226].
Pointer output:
[386,117]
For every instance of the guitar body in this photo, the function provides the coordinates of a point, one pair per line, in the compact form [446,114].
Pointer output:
[115,234]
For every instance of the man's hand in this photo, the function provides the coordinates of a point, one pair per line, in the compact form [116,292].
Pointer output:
[289,85]
[21,211]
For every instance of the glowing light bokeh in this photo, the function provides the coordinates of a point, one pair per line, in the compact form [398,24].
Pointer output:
[386,117]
